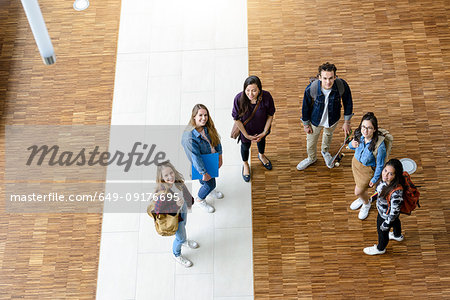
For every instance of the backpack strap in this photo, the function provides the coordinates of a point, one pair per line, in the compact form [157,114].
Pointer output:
[341,87]
[380,140]
[258,102]
[314,89]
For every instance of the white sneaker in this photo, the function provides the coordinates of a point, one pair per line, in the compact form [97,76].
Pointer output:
[373,250]
[305,163]
[183,261]
[215,194]
[356,204]
[393,237]
[190,244]
[327,158]
[364,211]
[205,206]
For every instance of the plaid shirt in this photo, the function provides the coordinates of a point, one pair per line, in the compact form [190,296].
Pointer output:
[167,204]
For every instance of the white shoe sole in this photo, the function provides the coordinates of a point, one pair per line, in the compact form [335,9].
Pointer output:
[362,214]
[187,245]
[356,204]
[302,168]
[188,263]
[398,239]
[206,207]
[369,251]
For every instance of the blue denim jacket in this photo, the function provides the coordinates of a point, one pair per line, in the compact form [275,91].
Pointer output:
[365,156]
[313,113]
[195,145]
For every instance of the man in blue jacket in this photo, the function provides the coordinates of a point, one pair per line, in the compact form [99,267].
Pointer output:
[322,109]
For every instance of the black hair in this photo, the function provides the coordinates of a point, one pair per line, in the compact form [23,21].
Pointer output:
[369,117]
[244,102]
[398,179]
[328,68]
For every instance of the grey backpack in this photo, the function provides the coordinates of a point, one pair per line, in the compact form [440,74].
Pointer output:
[315,86]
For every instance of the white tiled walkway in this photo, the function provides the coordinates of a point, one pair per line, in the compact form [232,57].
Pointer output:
[173,54]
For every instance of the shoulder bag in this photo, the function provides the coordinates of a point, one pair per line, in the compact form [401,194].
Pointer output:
[235,132]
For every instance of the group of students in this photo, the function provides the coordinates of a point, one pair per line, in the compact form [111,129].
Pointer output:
[321,109]
[253,111]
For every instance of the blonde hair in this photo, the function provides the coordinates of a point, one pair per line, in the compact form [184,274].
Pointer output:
[215,138]
[162,186]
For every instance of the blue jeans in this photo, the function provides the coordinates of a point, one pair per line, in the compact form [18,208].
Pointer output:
[207,187]
[180,236]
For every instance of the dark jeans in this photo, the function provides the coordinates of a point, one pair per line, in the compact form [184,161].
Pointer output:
[245,148]
[383,236]
[207,187]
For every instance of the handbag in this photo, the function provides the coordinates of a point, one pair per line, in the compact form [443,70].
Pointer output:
[165,224]
[235,132]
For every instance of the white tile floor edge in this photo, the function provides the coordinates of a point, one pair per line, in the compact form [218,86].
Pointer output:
[176,53]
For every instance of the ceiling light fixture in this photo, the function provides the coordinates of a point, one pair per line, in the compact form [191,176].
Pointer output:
[37,24]
[81,4]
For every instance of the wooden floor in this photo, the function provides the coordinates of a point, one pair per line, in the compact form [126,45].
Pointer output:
[307,244]
[54,256]
[396,58]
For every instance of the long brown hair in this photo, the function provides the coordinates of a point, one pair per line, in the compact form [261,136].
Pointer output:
[215,138]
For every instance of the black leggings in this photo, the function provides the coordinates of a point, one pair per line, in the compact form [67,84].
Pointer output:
[245,148]
[383,236]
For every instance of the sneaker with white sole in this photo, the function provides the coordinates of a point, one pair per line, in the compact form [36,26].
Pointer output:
[183,261]
[305,163]
[356,204]
[364,211]
[373,250]
[215,194]
[205,206]
[327,158]
[190,244]
[393,237]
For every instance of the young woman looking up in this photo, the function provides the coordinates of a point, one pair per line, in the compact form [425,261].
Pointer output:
[174,197]
[389,189]
[201,137]
[253,98]
[365,166]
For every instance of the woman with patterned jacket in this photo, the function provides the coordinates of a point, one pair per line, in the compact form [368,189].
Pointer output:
[389,200]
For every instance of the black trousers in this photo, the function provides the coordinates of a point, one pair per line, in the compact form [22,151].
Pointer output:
[383,236]
[245,148]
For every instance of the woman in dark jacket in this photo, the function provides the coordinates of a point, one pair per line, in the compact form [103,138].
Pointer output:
[258,127]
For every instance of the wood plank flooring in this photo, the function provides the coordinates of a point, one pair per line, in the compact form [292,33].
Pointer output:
[396,58]
[54,256]
[307,244]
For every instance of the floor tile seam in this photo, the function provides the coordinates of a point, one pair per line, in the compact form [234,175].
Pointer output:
[124,231]
[182,50]
[194,274]
[137,256]
[240,227]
